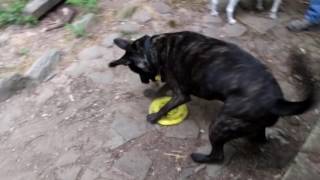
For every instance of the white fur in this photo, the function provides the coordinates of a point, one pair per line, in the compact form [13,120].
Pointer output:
[233,3]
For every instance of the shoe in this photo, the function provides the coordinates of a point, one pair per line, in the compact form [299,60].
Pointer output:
[299,25]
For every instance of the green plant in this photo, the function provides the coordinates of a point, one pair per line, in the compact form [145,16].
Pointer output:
[23,51]
[172,23]
[78,30]
[13,14]
[88,4]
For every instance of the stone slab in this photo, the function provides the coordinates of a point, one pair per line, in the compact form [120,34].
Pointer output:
[135,163]
[38,8]
[259,24]
[44,66]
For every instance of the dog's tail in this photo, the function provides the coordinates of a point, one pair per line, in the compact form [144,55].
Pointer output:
[300,70]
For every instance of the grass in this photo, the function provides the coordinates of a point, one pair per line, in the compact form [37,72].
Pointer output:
[12,14]
[23,51]
[90,5]
[172,23]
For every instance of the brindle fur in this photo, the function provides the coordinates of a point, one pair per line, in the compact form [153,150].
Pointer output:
[193,64]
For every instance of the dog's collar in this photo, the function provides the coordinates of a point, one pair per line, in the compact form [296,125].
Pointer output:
[149,53]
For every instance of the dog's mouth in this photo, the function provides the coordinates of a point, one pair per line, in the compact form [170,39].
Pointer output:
[144,79]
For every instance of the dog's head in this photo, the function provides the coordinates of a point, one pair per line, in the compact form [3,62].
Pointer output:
[137,57]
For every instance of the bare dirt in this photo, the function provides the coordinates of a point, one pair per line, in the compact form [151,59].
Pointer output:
[85,119]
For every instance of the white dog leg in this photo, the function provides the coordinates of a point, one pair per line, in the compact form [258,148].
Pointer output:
[260,5]
[275,8]
[214,7]
[230,10]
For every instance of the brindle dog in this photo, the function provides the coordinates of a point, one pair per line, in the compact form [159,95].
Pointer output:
[194,64]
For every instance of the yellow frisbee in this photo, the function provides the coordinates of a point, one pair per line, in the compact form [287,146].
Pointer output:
[174,117]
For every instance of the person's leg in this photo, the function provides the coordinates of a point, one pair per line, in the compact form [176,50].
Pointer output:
[214,7]
[313,12]
[312,17]
[230,11]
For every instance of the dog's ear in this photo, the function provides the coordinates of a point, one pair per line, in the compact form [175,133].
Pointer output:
[122,43]
[119,62]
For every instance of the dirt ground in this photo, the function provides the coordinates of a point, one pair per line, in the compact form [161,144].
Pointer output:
[88,121]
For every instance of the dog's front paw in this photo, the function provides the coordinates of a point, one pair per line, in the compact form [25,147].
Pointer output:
[152,118]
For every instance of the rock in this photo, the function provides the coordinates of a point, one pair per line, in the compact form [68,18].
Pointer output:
[108,39]
[303,168]
[186,173]
[235,30]
[101,77]
[86,22]
[289,88]
[116,174]
[68,173]
[100,162]
[129,28]
[44,66]
[259,24]
[212,32]
[68,158]
[306,163]
[93,52]
[188,129]
[312,144]
[38,8]
[114,140]
[142,16]
[127,127]
[4,39]
[126,12]
[135,163]
[161,7]
[11,84]
[89,175]
[209,20]
[214,170]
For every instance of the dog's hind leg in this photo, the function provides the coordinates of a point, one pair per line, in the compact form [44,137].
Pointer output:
[260,136]
[225,129]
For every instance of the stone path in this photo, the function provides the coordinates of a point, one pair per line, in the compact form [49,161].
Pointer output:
[87,121]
